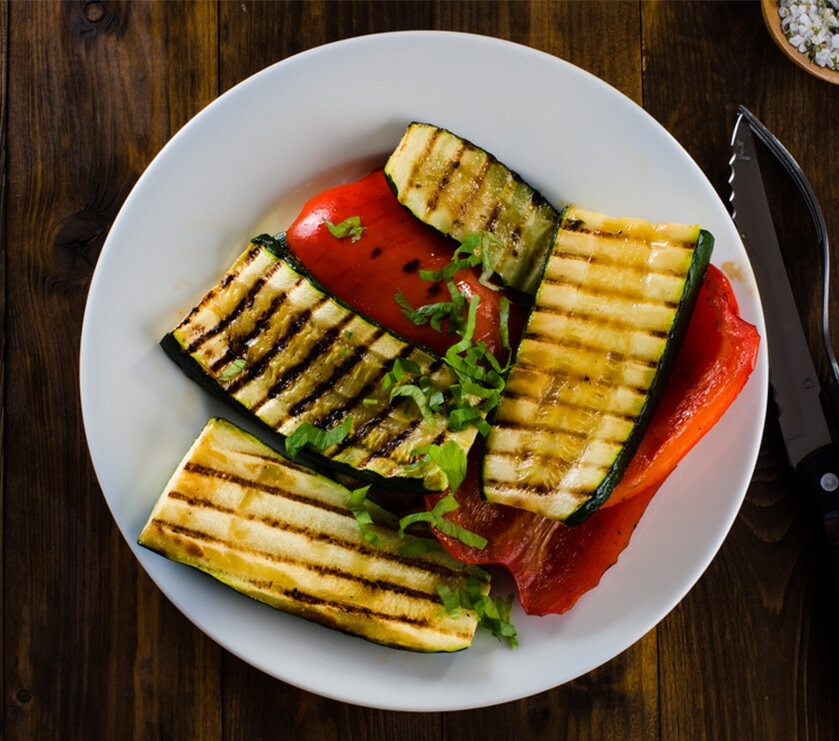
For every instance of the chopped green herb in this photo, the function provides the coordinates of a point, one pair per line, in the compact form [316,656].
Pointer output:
[414,392]
[475,250]
[450,599]
[308,434]
[481,377]
[233,369]
[447,527]
[460,417]
[504,322]
[428,398]
[358,506]
[345,350]
[493,614]
[435,314]
[452,460]
[435,518]
[349,227]
[401,366]
[419,546]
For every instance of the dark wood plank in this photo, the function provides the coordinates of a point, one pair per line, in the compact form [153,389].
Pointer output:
[256,34]
[754,639]
[4,78]
[616,701]
[89,644]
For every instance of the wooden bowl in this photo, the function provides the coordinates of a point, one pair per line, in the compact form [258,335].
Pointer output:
[773,22]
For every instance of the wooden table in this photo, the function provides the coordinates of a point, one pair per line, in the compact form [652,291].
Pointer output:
[90,92]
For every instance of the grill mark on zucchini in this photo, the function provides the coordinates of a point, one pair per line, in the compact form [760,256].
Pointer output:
[312,534]
[534,488]
[580,226]
[361,610]
[254,370]
[352,360]
[452,166]
[249,256]
[615,291]
[466,203]
[614,355]
[316,350]
[353,405]
[492,218]
[514,426]
[214,473]
[387,446]
[537,488]
[245,303]
[615,322]
[394,442]
[240,342]
[375,420]
[607,262]
[360,433]
[512,394]
[502,423]
[321,570]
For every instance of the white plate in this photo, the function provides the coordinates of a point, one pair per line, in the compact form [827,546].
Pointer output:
[272,139]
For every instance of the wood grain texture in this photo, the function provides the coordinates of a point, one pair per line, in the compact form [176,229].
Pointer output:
[4,79]
[92,98]
[91,648]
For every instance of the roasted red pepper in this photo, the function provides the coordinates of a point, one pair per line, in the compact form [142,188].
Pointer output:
[554,565]
[387,258]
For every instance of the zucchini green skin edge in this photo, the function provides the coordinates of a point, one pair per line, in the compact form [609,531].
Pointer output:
[696,273]
[307,456]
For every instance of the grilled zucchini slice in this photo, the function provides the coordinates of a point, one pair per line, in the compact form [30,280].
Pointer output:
[268,339]
[287,537]
[610,313]
[460,189]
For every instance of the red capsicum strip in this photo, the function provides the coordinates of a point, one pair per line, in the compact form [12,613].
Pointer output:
[715,361]
[387,258]
[554,565]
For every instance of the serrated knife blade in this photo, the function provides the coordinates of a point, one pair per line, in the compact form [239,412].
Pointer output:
[792,374]
[791,368]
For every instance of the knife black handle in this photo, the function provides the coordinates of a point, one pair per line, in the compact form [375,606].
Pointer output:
[819,471]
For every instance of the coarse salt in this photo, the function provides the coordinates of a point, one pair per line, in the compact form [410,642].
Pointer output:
[812,27]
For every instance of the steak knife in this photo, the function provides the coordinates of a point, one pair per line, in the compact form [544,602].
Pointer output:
[802,414]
